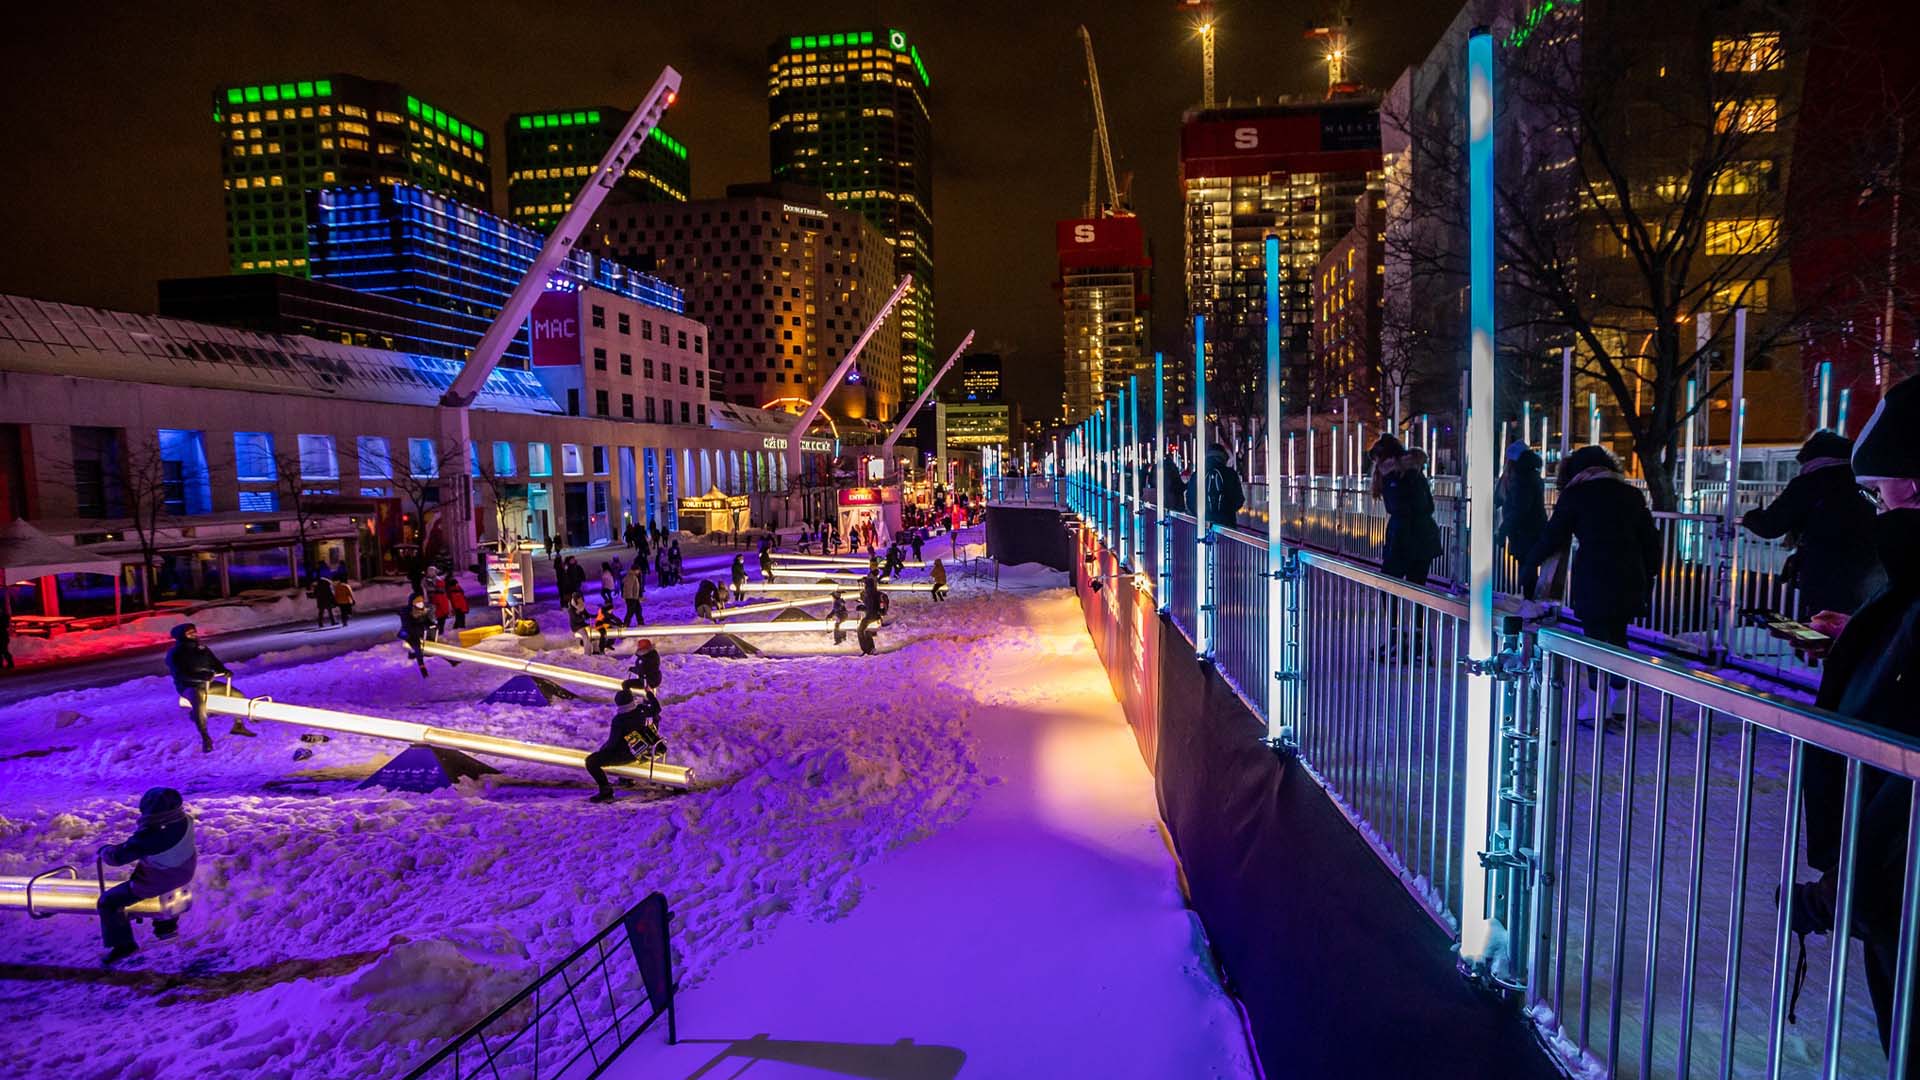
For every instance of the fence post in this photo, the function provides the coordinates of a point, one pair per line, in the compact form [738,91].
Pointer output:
[1133,474]
[1476,929]
[1282,572]
[1202,565]
[1726,582]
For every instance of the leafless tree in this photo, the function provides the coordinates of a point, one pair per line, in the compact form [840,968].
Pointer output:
[293,498]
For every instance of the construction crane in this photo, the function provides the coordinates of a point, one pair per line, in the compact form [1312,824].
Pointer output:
[1203,25]
[1101,162]
[1334,33]
[1103,150]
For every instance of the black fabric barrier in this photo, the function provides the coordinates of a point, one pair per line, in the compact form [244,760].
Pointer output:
[1341,973]
[1023,534]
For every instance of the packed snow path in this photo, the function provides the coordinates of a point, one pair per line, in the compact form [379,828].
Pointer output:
[341,932]
[1042,935]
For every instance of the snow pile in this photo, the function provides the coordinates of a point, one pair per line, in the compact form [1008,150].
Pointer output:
[346,932]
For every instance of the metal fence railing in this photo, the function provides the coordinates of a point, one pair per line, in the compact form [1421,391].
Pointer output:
[1646,856]
[578,1015]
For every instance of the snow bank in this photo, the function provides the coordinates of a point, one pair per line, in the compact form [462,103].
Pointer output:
[343,932]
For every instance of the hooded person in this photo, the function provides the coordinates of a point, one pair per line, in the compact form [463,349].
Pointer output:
[1868,677]
[1521,502]
[938,575]
[646,664]
[766,562]
[631,736]
[1828,521]
[162,853]
[706,598]
[416,626]
[1400,482]
[194,667]
[1224,494]
[739,576]
[1619,545]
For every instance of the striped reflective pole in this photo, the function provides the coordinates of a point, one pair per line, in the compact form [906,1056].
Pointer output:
[1481,453]
[1202,640]
[1160,479]
[1278,632]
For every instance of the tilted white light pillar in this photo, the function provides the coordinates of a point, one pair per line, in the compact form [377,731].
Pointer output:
[886,448]
[812,411]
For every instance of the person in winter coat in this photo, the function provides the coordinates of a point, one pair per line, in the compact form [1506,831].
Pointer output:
[646,664]
[896,559]
[1400,481]
[1521,501]
[343,600]
[456,601]
[578,619]
[1222,487]
[766,562]
[1619,555]
[939,576]
[600,629]
[739,576]
[633,591]
[918,541]
[609,584]
[162,853]
[442,604]
[630,736]
[325,611]
[1176,485]
[416,626]
[707,598]
[194,667]
[1869,677]
[674,561]
[1829,523]
[873,602]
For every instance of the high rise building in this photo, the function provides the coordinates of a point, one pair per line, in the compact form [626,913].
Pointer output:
[454,265]
[980,378]
[849,115]
[550,154]
[1104,274]
[280,140]
[1347,310]
[785,280]
[1293,171]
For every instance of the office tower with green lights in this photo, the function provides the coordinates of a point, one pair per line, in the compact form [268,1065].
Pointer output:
[551,153]
[848,115]
[282,139]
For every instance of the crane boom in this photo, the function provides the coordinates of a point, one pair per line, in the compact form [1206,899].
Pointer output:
[1105,150]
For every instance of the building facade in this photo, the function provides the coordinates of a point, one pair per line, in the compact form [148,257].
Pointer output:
[848,115]
[550,154]
[280,140]
[1347,308]
[785,280]
[1293,171]
[260,452]
[979,378]
[602,354]
[1104,276]
[454,265]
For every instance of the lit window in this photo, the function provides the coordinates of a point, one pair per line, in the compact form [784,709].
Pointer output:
[423,461]
[253,456]
[539,459]
[1748,117]
[503,459]
[570,463]
[317,458]
[1752,52]
[1740,236]
[376,462]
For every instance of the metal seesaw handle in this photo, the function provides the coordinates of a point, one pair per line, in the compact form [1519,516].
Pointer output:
[70,871]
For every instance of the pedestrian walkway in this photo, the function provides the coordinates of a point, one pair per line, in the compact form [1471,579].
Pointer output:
[1043,935]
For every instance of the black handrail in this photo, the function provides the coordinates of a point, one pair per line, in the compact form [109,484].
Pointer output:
[645,926]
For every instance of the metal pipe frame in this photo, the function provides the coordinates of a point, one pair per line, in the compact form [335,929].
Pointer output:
[261,708]
[42,894]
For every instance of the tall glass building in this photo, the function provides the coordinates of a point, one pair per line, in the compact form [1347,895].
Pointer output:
[848,115]
[551,153]
[453,264]
[282,139]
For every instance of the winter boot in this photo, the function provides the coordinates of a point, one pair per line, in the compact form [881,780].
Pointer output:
[117,954]
[601,797]
[240,728]
[206,743]
[423,668]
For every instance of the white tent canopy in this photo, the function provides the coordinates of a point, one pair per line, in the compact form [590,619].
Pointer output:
[27,554]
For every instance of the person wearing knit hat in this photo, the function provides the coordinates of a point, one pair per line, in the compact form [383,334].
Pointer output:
[1868,677]
[631,735]
[162,853]
[1828,521]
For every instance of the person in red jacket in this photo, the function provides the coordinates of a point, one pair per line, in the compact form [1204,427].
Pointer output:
[457,602]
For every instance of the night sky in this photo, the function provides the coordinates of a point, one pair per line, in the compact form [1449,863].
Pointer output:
[113,179]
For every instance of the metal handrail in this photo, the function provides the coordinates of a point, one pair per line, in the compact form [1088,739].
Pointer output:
[1393,586]
[71,872]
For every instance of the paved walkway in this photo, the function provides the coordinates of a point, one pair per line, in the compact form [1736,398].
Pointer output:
[1043,935]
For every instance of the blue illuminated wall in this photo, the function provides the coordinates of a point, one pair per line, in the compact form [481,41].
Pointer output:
[456,265]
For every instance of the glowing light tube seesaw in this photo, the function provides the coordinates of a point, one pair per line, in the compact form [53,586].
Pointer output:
[44,894]
[736,629]
[260,708]
[837,560]
[530,667]
[833,586]
[770,605]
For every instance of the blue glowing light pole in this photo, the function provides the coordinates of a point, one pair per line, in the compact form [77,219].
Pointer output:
[1120,501]
[1165,554]
[1846,396]
[1202,616]
[1826,392]
[1100,469]
[1279,628]
[1481,453]
[1133,473]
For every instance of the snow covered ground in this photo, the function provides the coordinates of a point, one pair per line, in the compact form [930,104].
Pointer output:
[340,932]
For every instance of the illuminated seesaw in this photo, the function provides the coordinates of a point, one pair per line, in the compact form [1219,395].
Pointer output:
[835,560]
[797,626]
[61,891]
[527,667]
[769,605]
[850,587]
[260,708]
